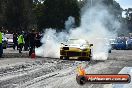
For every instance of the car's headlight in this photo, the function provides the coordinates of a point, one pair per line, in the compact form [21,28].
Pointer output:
[62,44]
[61,48]
[83,48]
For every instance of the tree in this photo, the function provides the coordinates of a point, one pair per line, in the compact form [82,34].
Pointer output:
[54,13]
[13,14]
[17,14]
[38,10]
[2,12]
[128,18]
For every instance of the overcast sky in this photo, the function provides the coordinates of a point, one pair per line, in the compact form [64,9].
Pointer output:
[125,3]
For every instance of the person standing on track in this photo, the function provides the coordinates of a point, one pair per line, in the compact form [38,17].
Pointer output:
[38,40]
[1,47]
[32,36]
[20,42]
[26,39]
[15,44]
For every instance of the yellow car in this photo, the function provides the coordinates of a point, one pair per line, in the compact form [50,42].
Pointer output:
[76,48]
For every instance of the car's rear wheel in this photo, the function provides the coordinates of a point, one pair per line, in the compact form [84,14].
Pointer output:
[129,47]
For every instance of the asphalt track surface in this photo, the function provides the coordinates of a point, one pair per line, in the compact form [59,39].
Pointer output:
[55,73]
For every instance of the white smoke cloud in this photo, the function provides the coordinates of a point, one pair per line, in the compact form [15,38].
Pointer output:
[94,29]
[51,43]
[70,23]
[95,25]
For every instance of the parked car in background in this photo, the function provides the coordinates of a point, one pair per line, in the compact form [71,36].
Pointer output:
[113,43]
[129,44]
[9,39]
[120,44]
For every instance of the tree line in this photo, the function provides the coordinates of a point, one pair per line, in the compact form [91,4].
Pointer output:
[40,14]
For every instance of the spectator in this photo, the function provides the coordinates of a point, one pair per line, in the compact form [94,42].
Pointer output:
[20,42]
[15,44]
[26,39]
[32,42]
[1,48]
[38,38]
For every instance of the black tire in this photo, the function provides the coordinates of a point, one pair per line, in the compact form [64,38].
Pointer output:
[129,47]
[88,58]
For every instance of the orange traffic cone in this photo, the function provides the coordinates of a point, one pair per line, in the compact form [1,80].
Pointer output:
[33,56]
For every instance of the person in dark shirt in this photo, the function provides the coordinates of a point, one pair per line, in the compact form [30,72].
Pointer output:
[32,42]
[26,39]
[15,41]
[38,42]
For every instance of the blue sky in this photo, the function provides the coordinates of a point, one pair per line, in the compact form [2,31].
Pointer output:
[125,3]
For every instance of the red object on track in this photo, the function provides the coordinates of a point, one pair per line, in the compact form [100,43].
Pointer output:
[33,56]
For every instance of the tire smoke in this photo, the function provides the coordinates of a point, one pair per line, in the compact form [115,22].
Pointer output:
[98,25]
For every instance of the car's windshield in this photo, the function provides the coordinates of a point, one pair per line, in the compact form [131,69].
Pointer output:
[77,41]
[113,41]
[121,41]
[9,36]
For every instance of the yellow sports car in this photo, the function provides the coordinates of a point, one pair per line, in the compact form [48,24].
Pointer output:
[76,48]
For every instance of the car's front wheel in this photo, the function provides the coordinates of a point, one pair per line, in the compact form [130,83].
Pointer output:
[88,58]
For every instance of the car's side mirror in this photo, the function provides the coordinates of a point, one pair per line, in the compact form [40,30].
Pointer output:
[91,45]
